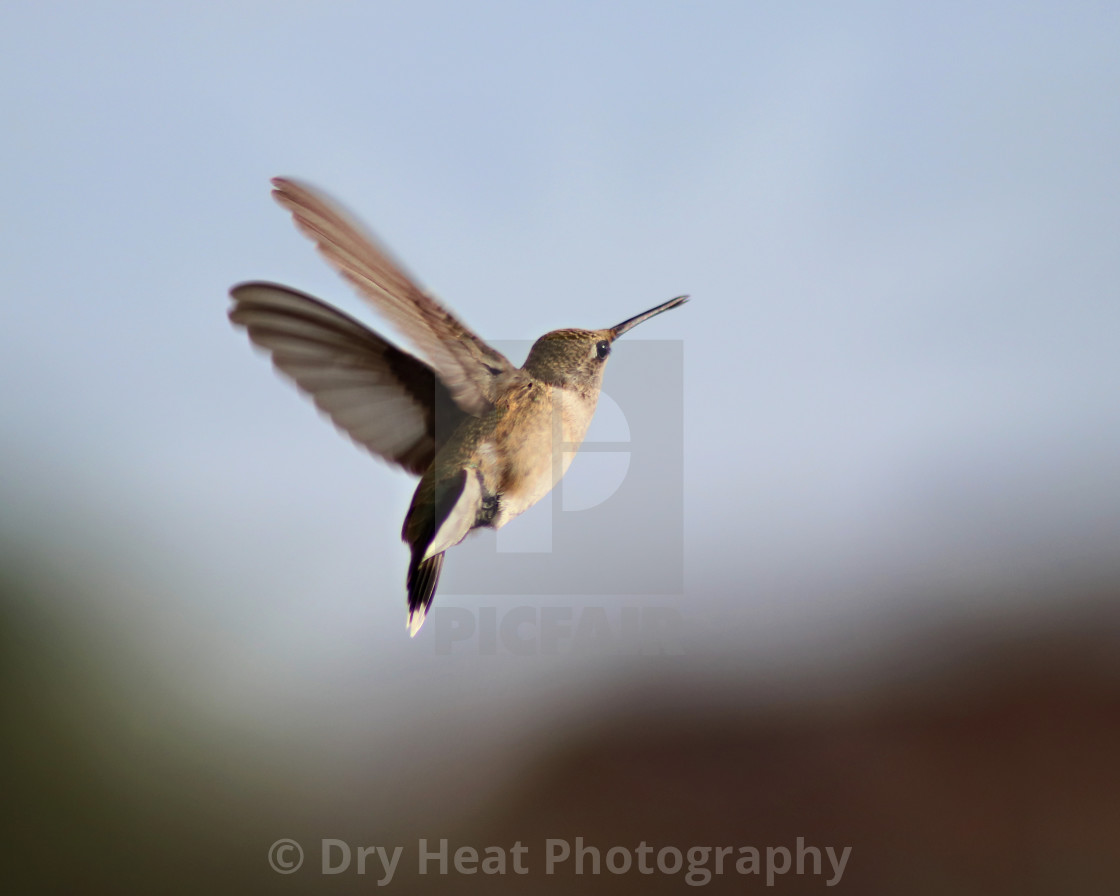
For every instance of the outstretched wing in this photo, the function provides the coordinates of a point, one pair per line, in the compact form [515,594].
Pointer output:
[386,400]
[469,368]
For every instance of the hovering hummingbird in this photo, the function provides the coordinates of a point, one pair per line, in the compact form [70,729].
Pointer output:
[488,439]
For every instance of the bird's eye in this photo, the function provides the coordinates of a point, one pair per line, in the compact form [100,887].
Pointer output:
[602,349]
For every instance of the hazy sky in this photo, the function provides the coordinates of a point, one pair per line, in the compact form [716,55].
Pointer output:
[899,225]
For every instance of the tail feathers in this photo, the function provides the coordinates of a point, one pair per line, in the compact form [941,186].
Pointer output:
[423,577]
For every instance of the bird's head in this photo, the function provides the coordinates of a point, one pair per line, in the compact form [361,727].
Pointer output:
[576,358]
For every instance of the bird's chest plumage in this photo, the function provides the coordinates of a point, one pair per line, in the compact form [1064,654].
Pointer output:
[534,443]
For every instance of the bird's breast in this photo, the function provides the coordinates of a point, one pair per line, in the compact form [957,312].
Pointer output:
[528,455]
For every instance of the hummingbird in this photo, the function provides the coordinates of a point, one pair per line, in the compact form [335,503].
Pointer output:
[487,439]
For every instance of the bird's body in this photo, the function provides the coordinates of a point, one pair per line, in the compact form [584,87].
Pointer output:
[489,439]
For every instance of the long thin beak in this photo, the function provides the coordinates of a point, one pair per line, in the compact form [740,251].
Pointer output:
[646,315]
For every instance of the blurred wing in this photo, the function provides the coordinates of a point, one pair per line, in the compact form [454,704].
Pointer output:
[386,400]
[468,366]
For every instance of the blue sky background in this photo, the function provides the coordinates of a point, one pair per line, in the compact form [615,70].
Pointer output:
[899,225]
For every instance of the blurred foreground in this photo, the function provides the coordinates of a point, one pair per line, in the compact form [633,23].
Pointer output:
[955,760]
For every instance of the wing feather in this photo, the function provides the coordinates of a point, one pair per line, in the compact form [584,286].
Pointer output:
[471,369]
[386,400]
